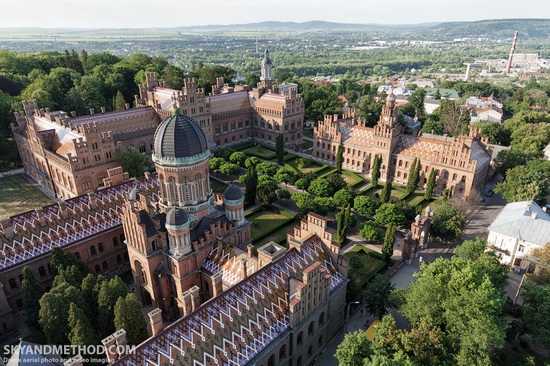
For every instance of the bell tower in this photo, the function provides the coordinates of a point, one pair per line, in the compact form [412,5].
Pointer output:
[386,136]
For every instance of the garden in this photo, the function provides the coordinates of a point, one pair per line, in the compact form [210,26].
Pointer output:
[18,195]
[364,264]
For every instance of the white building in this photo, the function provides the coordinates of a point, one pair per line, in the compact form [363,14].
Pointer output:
[484,109]
[518,229]
[546,152]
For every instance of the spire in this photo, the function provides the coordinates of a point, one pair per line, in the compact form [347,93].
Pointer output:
[266,68]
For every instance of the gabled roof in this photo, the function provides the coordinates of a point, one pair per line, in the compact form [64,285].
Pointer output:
[33,239]
[28,354]
[517,220]
[237,325]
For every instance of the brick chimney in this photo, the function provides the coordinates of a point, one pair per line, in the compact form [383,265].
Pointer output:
[109,344]
[155,320]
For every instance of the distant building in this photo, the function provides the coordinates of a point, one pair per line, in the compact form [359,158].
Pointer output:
[518,229]
[423,83]
[431,104]
[234,115]
[484,109]
[546,152]
[463,162]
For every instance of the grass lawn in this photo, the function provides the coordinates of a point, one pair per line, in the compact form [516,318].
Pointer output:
[264,222]
[278,236]
[307,144]
[217,186]
[373,192]
[416,199]
[260,152]
[363,266]
[19,195]
[325,172]
[352,178]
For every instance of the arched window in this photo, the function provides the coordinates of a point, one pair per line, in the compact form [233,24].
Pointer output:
[122,238]
[406,164]
[271,361]
[454,176]
[320,341]
[309,351]
[13,284]
[446,175]
[404,175]
[282,352]
[115,241]
[463,180]
[321,319]
[299,362]
[97,269]
[104,265]
[41,271]
[77,254]
[92,250]
[100,247]
[310,329]
[300,339]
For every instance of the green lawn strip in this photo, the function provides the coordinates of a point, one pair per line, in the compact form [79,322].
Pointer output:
[352,178]
[244,146]
[265,222]
[18,195]
[278,236]
[260,153]
[369,266]
[326,173]
[307,144]
[416,199]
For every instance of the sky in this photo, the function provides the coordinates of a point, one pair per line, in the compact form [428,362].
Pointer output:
[175,13]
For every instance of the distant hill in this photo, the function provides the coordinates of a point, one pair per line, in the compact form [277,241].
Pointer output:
[492,28]
[499,28]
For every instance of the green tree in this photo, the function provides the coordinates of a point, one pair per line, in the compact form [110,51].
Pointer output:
[54,312]
[508,159]
[32,292]
[120,102]
[353,349]
[224,153]
[252,79]
[238,158]
[134,163]
[323,205]
[414,176]
[343,197]
[465,299]
[471,249]
[448,222]
[128,315]
[304,201]
[531,138]
[267,168]
[344,220]
[389,239]
[81,331]
[388,213]
[375,171]
[526,182]
[339,158]
[251,181]
[536,312]
[108,295]
[215,164]
[302,183]
[371,231]
[337,182]
[377,296]
[280,149]
[284,175]
[230,169]
[251,161]
[320,187]
[283,194]
[430,185]
[365,206]
[266,193]
[385,195]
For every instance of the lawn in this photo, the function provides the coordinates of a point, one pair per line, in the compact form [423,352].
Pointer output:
[363,266]
[260,152]
[278,236]
[352,178]
[217,186]
[18,195]
[264,222]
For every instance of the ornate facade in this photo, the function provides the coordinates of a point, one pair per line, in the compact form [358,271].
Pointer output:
[463,162]
[169,239]
[70,156]
[232,115]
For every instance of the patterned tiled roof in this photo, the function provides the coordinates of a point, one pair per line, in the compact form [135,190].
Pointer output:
[355,134]
[237,325]
[33,239]
[433,148]
[227,260]
[112,117]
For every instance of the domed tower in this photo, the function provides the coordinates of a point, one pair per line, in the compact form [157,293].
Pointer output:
[267,67]
[181,158]
[177,225]
[234,204]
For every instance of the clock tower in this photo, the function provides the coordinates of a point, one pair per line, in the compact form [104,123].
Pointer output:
[386,136]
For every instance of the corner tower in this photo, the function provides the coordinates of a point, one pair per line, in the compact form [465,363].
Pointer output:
[181,159]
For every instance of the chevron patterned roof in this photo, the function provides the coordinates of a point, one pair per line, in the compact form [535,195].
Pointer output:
[32,239]
[237,325]
[227,260]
